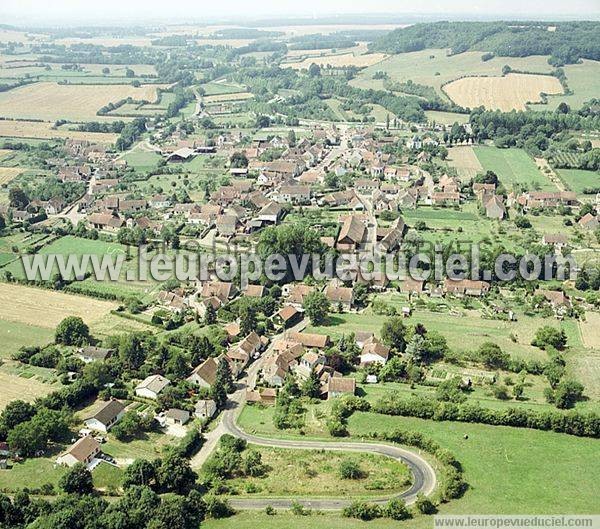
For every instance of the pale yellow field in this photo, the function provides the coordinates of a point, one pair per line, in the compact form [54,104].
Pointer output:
[344,59]
[8,174]
[44,130]
[227,97]
[47,308]
[463,159]
[513,91]
[326,29]
[359,49]
[107,41]
[234,43]
[4,152]
[590,330]
[51,101]
[16,387]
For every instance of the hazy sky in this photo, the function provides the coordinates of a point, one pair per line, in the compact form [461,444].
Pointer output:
[56,11]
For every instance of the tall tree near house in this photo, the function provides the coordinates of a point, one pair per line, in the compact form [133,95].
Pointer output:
[247,319]
[316,307]
[72,331]
[210,317]
[393,333]
[78,480]
[312,386]
[224,375]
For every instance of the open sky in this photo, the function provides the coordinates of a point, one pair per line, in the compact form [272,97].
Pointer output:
[78,11]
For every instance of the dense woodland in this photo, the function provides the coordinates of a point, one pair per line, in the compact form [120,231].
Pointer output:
[570,42]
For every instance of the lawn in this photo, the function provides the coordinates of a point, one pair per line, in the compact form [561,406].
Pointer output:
[578,179]
[32,472]
[107,476]
[446,118]
[316,473]
[149,447]
[141,160]
[513,166]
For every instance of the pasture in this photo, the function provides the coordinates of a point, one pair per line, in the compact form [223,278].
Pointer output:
[446,118]
[220,98]
[15,335]
[51,101]
[578,179]
[433,67]
[583,80]
[511,92]
[513,167]
[464,160]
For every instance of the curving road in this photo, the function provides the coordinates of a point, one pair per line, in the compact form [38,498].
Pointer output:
[424,478]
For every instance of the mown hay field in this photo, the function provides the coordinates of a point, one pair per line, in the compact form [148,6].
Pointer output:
[51,101]
[47,308]
[341,60]
[43,130]
[16,387]
[8,174]
[463,159]
[511,92]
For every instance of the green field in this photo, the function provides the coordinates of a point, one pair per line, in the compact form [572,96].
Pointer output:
[15,335]
[578,179]
[513,166]
[141,160]
[217,88]
[434,68]
[583,80]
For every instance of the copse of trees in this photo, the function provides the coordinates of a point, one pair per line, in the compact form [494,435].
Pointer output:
[571,422]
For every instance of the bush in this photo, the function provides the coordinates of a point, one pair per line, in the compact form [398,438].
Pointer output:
[424,505]
[363,511]
[217,508]
[299,510]
[350,469]
[396,510]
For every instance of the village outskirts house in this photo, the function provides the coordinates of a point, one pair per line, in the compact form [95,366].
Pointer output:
[106,417]
[83,451]
[151,386]
[205,409]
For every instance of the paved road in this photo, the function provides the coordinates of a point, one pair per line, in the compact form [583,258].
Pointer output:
[424,479]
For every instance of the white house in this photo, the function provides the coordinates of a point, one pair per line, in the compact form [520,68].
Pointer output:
[205,409]
[106,417]
[151,387]
[83,451]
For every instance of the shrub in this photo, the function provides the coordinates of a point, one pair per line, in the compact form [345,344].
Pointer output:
[363,511]
[350,469]
[396,510]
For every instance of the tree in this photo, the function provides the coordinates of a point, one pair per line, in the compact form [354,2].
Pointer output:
[72,331]
[567,393]
[224,375]
[132,353]
[316,306]
[493,356]
[174,474]
[28,438]
[210,316]
[253,465]
[131,426]
[16,412]
[393,333]
[140,473]
[314,70]
[451,390]
[238,160]
[292,138]
[394,370]
[550,336]
[17,198]
[248,321]
[361,293]
[78,480]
